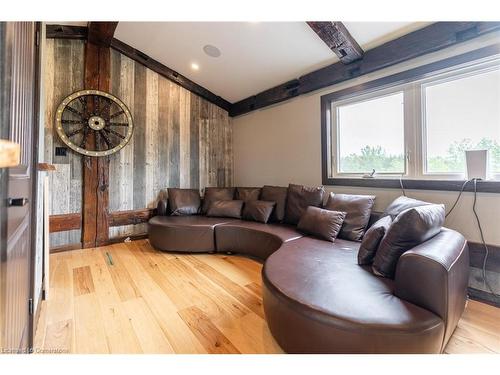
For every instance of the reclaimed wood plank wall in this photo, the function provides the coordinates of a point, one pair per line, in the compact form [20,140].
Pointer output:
[180,139]
[64,74]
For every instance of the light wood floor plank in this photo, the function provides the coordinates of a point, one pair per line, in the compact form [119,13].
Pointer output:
[163,309]
[155,302]
[120,334]
[90,335]
[240,294]
[82,281]
[59,337]
[148,331]
[207,333]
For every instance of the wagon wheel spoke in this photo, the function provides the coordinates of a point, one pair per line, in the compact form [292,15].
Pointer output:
[118,124]
[75,122]
[111,131]
[106,140]
[84,138]
[75,132]
[96,105]
[74,111]
[116,114]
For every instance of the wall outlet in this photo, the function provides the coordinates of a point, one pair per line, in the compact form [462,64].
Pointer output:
[61,151]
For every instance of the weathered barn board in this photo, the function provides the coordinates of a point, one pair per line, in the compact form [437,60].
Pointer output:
[176,132]
[152,167]
[140,91]
[121,169]
[63,75]
[179,138]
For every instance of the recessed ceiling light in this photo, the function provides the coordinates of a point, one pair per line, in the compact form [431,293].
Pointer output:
[195,66]
[211,50]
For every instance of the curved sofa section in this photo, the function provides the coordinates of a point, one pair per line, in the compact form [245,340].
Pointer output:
[254,239]
[184,233]
[317,299]
[336,306]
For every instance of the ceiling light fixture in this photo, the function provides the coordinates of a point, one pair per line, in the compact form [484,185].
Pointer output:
[211,50]
[195,66]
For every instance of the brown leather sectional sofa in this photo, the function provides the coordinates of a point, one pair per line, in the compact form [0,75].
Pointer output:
[317,299]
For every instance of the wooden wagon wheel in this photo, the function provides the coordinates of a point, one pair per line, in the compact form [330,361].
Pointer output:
[94,123]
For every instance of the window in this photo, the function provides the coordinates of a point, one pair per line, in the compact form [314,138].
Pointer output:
[416,129]
[371,135]
[462,113]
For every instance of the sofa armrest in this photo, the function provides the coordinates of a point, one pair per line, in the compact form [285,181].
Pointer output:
[434,275]
[162,207]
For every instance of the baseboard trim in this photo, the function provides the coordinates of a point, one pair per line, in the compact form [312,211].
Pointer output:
[133,237]
[482,296]
[71,246]
[477,253]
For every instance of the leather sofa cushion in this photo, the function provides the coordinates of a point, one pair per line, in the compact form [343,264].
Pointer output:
[299,198]
[252,238]
[410,228]
[256,210]
[225,209]
[278,195]
[372,239]
[400,204]
[216,194]
[193,233]
[248,193]
[358,209]
[184,201]
[324,224]
[324,282]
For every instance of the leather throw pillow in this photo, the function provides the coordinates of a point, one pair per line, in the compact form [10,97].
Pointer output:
[184,201]
[324,224]
[247,193]
[410,228]
[371,240]
[299,198]
[358,209]
[400,204]
[225,209]
[278,195]
[216,194]
[258,211]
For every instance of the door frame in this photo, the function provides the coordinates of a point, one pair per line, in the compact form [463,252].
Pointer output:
[33,318]
[5,85]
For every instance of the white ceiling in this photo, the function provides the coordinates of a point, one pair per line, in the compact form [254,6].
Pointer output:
[255,55]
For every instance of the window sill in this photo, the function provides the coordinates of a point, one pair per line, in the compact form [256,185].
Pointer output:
[391,183]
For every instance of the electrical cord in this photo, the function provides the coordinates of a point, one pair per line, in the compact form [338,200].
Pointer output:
[458,198]
[401,184]
[487,252]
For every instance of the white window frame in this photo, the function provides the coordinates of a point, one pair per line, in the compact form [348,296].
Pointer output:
[443,78]
[415,136]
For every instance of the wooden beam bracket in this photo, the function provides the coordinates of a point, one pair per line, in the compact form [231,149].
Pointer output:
[338,39]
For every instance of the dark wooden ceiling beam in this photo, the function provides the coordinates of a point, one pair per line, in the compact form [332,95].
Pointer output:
[336,36]
[101,33]
[420,42]
[171,74]
[66,32]
[77,32]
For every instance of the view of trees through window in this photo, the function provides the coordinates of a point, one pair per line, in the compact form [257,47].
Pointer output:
[375,157]
[459,113]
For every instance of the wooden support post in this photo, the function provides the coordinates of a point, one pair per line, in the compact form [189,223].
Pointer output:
[95,222]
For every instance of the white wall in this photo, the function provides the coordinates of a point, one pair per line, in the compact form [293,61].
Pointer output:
[282,144]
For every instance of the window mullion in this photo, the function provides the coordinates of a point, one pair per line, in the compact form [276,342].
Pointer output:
[410,136]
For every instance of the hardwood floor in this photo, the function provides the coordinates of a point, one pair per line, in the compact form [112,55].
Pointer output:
[129,298]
